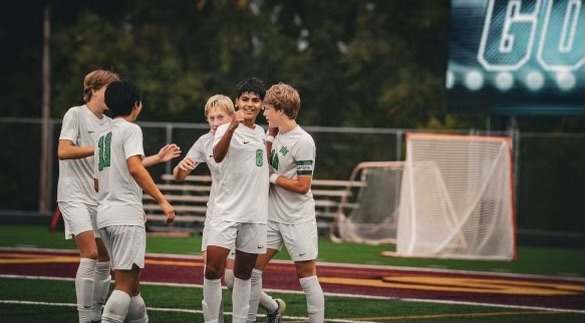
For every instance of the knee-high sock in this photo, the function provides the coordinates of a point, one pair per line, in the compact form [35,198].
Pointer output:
[101,288]
[211,299]
[255,294]
[137,310]
[267,303]
[315,298]
[84,282]
[220,313]
[241,300]
[116,307]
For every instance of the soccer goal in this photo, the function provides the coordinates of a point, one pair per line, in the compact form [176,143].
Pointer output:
[368,210]
[457,198]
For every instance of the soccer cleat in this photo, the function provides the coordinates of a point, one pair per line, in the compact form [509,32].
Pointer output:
[276,317]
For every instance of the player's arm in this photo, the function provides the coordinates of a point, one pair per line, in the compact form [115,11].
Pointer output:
[67,150]
[165,154]
[142,177]
[222,147]
[184,168]
[272,132]
[300,185]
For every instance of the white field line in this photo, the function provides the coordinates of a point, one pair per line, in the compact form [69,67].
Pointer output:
[354,296]
[174,310]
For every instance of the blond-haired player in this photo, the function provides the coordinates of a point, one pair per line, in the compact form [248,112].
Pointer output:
[218,110]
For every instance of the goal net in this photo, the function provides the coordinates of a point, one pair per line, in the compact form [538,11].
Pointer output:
[457,198]
[369,208]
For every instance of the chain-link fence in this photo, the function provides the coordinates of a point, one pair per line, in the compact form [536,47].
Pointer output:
[549,167]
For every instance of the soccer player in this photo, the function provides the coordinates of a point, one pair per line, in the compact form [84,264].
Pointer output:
[291,208]
[76,196]
[219,110]
[240,205]
[120,177]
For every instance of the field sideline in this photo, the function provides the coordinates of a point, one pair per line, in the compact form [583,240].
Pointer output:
[39,281]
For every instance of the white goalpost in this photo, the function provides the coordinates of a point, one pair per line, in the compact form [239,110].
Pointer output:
[457,198]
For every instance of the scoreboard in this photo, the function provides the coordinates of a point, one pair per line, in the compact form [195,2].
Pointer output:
[517,57]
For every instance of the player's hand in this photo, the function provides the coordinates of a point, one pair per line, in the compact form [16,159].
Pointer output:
[169,152]
[236,120]
[169,211]
[239,116]
[187,164]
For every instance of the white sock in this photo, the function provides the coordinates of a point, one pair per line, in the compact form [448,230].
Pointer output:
[315,298]
[268,303]
[220,315]
[241,300]
[211,299]
[116,307]
[228,277]
[137,310]
[255,294]
[101,287]
[84,287]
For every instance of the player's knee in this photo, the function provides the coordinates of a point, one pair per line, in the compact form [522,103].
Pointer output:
[213,272]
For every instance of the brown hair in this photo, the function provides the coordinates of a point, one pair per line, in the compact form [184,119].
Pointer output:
[284,97]
[97,79]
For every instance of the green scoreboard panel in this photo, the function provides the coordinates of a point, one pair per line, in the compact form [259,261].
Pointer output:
[517,57]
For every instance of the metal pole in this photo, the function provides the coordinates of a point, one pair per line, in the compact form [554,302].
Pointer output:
[44,171]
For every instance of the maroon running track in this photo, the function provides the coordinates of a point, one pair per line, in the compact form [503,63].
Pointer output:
[393,282]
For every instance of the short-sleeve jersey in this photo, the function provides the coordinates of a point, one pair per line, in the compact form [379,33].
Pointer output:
[242,194]
[119,196]
[81,127]
[202,152]
[292,155]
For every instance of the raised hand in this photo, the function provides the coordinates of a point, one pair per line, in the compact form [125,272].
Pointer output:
[169,152]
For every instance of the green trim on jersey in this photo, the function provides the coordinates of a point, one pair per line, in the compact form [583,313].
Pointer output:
[304,167]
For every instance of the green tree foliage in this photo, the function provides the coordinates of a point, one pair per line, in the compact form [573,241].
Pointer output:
[376,63]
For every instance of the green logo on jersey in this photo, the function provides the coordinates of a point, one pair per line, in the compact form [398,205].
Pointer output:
[284,151]
[104,151]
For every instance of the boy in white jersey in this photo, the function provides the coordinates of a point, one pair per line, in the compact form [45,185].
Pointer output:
[76,197]
[291,208]
[120,178]
[240,205]
[219,110]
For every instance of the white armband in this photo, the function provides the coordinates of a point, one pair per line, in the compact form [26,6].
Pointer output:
[270,138]
[273,178]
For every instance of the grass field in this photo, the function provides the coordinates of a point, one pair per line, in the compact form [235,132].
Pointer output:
[24,299]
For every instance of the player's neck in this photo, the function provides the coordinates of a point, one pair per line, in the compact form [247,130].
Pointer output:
[287,126]
[95,109]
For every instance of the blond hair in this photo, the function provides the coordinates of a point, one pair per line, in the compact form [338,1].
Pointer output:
[284,98]
[220,102]
[95,80]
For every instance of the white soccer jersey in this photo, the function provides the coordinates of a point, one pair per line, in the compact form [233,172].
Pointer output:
[242,195]
[82,127]
[293,154]
[202,152]
[119,196]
